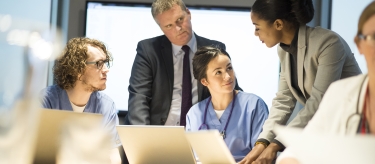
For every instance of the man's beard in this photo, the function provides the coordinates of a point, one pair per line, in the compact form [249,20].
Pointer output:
[91,88]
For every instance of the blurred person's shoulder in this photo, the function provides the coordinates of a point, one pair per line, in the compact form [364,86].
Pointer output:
[349,84]
[53,90]
[343,89]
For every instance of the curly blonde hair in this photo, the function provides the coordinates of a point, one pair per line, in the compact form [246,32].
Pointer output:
[72,62]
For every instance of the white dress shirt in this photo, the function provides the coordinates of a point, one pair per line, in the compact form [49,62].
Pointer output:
[178,56]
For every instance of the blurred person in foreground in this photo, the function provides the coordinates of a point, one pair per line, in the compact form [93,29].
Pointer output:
[348,107]
[80,74]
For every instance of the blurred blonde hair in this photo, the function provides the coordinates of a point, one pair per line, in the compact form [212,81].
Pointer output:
[368,12]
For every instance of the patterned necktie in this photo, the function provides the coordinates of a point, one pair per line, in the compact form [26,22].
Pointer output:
[186,101]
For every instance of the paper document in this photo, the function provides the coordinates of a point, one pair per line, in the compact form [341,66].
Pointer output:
[322,148]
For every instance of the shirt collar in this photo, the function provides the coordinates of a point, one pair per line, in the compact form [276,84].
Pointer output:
[192,44]
[292,48]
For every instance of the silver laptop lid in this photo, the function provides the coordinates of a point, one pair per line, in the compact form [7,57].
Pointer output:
[210,147]
[49,131]
[155,144]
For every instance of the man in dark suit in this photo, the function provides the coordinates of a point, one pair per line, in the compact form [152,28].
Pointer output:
[156,89]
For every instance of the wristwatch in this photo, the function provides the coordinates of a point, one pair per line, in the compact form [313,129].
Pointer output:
[260,142]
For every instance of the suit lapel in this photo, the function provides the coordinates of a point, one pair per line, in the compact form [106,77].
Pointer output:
[288,73]
[301,52]
[168,61]
[200,42]
[285,61]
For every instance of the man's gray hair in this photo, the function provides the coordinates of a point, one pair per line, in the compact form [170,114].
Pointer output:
[159,6]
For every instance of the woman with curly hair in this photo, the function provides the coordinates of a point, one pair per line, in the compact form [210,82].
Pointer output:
[80,73]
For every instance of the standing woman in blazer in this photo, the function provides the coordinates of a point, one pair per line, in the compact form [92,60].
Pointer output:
[348,107]
[311,58]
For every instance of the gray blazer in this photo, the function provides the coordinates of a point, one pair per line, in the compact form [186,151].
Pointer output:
[323,57]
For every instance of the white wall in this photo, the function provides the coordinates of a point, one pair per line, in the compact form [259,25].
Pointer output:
[344,20]
[35,10]
[121,28]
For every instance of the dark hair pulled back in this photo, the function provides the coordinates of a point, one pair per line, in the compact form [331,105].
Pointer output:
[297,12]
[202,58]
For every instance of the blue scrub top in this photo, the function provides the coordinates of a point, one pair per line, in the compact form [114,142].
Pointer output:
[55,97]
[244,127]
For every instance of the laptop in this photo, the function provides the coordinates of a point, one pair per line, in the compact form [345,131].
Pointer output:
[155,144]
[49,130]
[210,147]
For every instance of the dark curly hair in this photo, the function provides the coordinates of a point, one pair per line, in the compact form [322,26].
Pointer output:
[72,62]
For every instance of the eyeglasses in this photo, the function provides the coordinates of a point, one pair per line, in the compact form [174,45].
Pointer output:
[100,63]
[368,38]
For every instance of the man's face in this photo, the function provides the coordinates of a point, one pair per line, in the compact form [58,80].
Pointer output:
[176,25]
[94,79]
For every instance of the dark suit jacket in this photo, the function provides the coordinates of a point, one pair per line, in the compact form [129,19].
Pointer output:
[151,81]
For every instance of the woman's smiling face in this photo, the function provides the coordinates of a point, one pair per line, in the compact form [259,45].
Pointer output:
[220,75]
